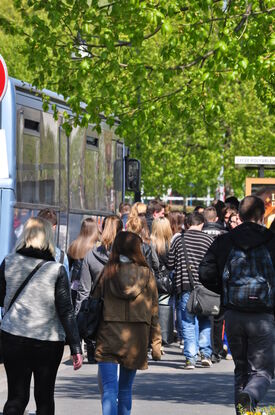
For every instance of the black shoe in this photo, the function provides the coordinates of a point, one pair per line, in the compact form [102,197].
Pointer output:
[245,402]
[216,358]
[91,354]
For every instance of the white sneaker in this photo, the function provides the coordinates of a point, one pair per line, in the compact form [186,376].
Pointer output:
[181,345]
[206,361]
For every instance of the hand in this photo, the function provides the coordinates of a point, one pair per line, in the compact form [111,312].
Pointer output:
[77,361]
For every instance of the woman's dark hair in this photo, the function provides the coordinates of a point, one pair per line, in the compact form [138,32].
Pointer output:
[176,219]
[127,244]
[219,205]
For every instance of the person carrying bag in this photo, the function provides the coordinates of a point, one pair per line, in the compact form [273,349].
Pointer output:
[202,302]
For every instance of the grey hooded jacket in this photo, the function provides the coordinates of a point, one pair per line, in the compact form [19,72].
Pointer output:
[92,266]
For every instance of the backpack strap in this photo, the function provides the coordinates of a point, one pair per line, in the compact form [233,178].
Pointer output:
[23,285]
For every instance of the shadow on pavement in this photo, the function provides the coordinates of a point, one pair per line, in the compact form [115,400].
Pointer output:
[190,388]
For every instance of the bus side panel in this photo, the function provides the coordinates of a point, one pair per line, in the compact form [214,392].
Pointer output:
[6,222]
[7,182]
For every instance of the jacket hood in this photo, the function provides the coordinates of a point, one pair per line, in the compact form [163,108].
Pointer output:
[130,281]
[250,235]
[101,254]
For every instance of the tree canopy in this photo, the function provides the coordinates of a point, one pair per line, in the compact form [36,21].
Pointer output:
[191,82]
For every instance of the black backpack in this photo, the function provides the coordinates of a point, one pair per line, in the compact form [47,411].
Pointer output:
[249,280]
[76,270]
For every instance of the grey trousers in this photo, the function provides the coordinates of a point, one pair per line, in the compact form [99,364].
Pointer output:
[251,338]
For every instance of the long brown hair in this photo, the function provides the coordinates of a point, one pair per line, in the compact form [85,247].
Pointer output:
[176,219]
[87,238]
[112,225]
[127,244]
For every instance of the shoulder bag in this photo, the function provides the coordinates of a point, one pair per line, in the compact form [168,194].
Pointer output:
[164,281]
[202,302]
[90,314]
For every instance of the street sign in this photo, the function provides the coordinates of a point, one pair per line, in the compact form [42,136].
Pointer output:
[255,161]
[3,78]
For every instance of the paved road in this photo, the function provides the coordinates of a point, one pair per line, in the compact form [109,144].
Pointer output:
[164,389]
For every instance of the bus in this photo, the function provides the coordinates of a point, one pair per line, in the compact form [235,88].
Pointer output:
[85,174]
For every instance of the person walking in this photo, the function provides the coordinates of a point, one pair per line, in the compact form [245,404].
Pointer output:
[129,323]
[35,293]
[214,228]
[161,240]
[92,266]
[196,330]
[85,241]
[240,266]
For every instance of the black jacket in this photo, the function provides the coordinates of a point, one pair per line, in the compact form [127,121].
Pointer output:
[214,229]
[246,236]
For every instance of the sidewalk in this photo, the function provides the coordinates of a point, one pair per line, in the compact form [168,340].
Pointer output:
[164,389]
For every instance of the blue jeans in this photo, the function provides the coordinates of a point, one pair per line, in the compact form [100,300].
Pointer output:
[116,388]
[196,330]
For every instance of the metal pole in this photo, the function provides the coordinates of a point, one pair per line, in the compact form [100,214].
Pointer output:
[261,171]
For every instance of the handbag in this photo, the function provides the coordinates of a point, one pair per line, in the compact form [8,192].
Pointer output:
[90,314]
[164,281]
[201,302]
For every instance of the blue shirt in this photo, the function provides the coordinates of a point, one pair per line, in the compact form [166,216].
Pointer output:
[65,261]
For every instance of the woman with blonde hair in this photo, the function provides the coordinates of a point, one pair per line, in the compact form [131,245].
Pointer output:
[161,239]
[93,263]
[138,225]
[35,293]
[138,209]
[161,236]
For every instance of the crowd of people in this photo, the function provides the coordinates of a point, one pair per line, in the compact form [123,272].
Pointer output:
[138,261]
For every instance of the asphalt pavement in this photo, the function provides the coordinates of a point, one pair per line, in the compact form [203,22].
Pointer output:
[164,389]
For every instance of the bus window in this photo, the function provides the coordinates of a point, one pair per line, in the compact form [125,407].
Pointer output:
[28,156]
[37,157]
[77,166]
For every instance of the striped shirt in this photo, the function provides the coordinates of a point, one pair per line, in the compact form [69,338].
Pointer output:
[197,243]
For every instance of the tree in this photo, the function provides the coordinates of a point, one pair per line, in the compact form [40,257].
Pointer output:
[169,70]
[12,44]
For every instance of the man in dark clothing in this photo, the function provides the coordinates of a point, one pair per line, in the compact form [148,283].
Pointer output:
[214,228]
[240,266]
[212,225]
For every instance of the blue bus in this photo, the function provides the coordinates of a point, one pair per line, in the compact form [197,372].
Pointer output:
[82,175]
[78,176]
